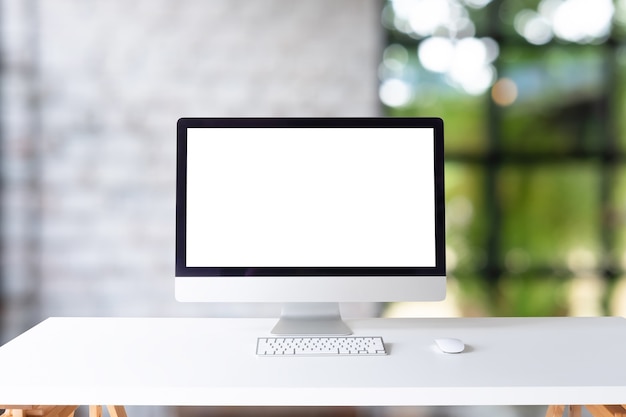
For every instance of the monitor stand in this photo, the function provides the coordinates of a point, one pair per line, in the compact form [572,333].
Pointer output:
[311,319]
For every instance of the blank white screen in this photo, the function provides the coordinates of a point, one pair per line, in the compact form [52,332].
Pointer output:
[310,197]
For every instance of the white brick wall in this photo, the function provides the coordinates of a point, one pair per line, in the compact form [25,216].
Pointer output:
[111,78]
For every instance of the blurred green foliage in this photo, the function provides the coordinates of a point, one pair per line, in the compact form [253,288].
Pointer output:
[535,178]
[548,211]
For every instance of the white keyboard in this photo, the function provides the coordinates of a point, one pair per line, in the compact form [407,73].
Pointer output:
[320,346]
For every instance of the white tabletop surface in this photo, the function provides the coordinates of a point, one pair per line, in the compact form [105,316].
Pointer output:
[193,361]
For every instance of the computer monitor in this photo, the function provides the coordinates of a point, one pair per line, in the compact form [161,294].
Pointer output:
[310,212]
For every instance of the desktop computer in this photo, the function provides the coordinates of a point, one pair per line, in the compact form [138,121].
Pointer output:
[310,212]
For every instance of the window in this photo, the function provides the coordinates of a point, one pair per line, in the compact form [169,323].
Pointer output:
[531,93]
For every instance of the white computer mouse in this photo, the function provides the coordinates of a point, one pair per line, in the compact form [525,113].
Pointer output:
[450,345]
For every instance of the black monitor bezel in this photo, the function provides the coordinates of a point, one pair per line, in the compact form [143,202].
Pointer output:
[182,270]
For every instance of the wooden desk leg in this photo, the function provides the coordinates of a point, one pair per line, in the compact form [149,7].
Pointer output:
[575,410]
[62,411]
[40,411]
[59,410]
[95,411]
[607,410]
[114,411]
[595,410]
[555,411]
[14,412]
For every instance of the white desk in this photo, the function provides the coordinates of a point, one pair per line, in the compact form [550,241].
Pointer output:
[173,361]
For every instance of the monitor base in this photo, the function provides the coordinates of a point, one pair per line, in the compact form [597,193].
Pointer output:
[311,319]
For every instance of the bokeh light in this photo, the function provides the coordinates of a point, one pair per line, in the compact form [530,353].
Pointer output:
[504,92]
[448,43]
[583,20]
[395,92]
[436,54]
[466,62]
[534,27]
[579,21]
